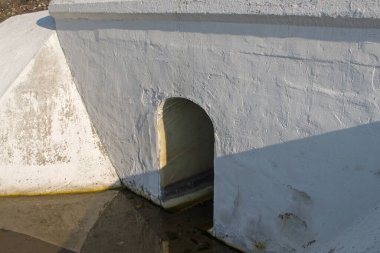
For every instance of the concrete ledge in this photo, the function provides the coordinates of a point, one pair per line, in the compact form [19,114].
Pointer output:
[333,13]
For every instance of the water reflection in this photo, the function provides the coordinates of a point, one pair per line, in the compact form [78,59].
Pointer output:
[12,242]
[62,220]
[131,224]
[103,222]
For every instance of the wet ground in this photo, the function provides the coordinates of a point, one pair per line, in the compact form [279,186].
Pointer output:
[112,221]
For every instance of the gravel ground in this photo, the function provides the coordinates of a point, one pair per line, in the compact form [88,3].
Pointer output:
[10,8]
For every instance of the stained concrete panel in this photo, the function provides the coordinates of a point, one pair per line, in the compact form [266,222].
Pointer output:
[47,142]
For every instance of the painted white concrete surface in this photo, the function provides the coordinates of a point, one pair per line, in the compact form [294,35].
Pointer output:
[47,142]
[295,110]
[20,40]
[316,8]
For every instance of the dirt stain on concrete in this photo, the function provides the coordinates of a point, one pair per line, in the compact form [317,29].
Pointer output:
[38,97]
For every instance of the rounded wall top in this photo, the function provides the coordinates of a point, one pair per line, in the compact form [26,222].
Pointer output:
[220,10]
[313,8]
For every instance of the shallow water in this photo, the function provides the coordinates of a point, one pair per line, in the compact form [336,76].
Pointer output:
[110,221]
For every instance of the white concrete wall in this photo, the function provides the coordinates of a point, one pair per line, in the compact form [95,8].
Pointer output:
[295,110]
[47,142]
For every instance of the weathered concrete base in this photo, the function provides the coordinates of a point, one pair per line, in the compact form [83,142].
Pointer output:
[47,142]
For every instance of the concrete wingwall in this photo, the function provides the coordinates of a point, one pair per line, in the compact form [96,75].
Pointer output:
[47,142]
[295,109]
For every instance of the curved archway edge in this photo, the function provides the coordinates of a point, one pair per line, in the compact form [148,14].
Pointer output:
[186,152]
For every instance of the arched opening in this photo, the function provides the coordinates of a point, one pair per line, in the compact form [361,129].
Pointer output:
[186,153]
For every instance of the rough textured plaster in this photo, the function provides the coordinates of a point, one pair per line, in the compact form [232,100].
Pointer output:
[47,143]
[295,111]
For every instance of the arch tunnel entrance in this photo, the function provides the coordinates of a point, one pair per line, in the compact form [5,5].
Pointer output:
[186,153]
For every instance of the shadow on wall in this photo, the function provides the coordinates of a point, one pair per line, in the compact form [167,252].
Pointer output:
[259,29]
[306,190]
[301,193]
[47,22]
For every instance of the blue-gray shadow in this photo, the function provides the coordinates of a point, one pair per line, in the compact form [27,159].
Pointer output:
[349,30]
[47,22]
[325,181]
